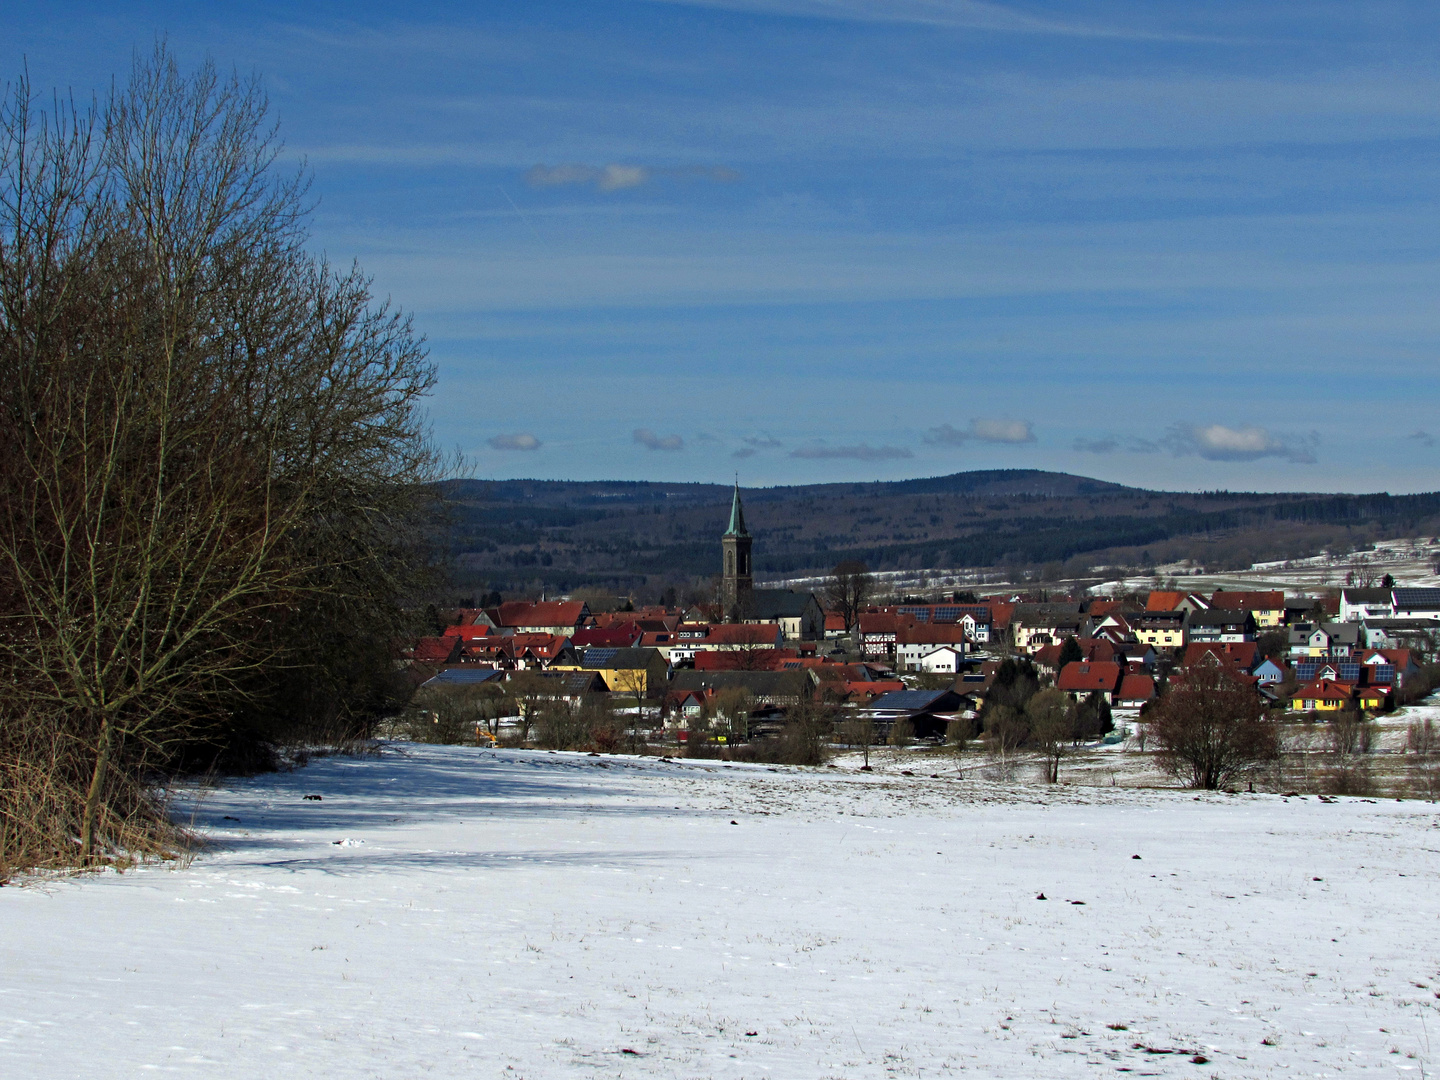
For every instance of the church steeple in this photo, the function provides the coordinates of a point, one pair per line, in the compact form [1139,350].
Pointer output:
[736,584]
[737,516]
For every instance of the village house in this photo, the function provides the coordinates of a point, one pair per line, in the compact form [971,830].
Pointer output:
[1033,626]
[1081,678]
[625,671]
[1266,607]
[1358,605]
[922,639]
[1220,624]
[798,614]
[1160,629]
[562,617]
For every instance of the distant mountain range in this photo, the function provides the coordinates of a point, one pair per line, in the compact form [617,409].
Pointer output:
[523,535]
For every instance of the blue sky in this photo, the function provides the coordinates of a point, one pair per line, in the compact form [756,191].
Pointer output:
[1181,245]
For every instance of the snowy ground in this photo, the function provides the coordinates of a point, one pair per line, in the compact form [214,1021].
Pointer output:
[446,911]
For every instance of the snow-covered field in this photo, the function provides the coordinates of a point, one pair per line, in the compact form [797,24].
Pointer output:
[445,911]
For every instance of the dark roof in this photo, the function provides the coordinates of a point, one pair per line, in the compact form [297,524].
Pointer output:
[759,683]
[464,676]
[1041,614]
[779,603]
[1218,617]
[910,701]
[574,682]
[1366,596]
[611,659]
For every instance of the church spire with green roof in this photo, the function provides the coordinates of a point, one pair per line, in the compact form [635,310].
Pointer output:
[736,582]
[737,516]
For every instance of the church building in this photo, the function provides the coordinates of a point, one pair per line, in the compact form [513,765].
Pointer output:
[799,615]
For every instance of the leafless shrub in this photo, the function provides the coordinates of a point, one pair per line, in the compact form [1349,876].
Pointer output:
[859,730]
[1052,717]
[1351,738]
[212,460]
[1005,732]
[1211,729]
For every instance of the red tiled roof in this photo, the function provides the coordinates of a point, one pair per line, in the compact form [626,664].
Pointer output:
[616,637]
[1136,688]
[737,634]
[1082,677]
[883,622]
[544,613]
[931,634]
[1323,690]
[1243,654]
[436,650]
[1163,601]
[745,660]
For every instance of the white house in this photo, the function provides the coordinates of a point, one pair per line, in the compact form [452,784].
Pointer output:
[946,660]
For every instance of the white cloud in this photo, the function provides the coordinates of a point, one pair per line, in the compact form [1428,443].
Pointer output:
[522,440]
[1216,442]
[616,177]
[648,439]
[982,430]
[861,452]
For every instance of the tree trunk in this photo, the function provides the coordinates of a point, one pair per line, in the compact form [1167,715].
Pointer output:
[92,796]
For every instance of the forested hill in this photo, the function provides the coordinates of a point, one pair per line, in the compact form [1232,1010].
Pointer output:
[517,535]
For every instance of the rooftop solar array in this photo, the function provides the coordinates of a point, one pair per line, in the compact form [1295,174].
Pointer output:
[1417,598]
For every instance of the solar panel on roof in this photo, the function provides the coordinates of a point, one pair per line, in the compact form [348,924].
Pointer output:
[1382,673]
[1306,671]
[1417,598]
[598,655]
[1349,672]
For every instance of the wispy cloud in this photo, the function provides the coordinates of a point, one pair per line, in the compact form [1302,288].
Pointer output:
[860,452]
[958,14]
[521,440]
[982,430]
[765,441]
[616,177]
[1424,438]
[1109,444]
[648,439]
[1216,442]
[744,452]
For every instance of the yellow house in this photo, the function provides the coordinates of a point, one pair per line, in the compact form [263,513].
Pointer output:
[625,671]
[1322,696]
[1159,629]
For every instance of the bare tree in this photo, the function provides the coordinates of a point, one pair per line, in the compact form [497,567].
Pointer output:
[848,590]
[1005,733]
[1052,728]
[859,730]
[1211,728]
[211,453]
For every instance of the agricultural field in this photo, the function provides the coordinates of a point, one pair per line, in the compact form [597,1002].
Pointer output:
[452,911]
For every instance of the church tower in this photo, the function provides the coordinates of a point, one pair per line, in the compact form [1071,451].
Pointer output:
[736,584]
